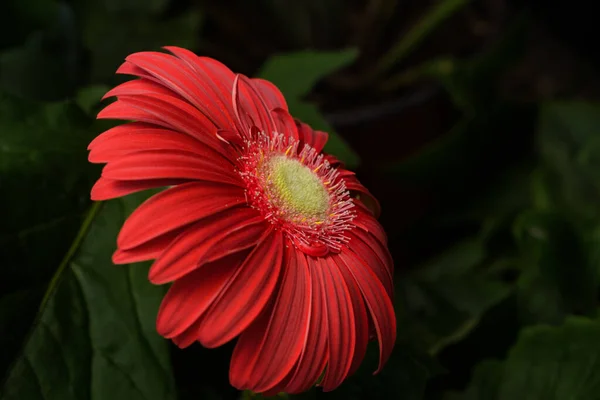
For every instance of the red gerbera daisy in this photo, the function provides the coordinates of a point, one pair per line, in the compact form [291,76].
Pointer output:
[263,236]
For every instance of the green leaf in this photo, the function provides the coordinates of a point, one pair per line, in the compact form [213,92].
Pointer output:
[134,26]
[44,180]
[405,376]
[547,363]
[570,152]
[559,278]
[89,98]
[42,156]
[95,336]
[444,299]
[335,145]
[295,74]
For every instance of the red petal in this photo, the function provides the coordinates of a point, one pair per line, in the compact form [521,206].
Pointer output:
[128,68]
[284,123]
[246,294]
[361,319]
[137,136]
[146,251]
[269,348]
[209,239]
[183,79]
[375,257]
[315,139]
[362,194]
[378,302]
[189,297]
[168,112]
[270,93]
[341,338]
[176,207]
[368,223]
[140,87]
[250,108]
[314,355]
[106,189]
[334,162]
[169,164]
[215,79]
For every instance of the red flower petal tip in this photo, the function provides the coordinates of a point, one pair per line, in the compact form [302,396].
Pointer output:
[265,238]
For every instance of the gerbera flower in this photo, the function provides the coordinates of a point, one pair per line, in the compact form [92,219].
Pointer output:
[264,237]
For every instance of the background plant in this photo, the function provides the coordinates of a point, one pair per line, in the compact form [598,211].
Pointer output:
[474,123]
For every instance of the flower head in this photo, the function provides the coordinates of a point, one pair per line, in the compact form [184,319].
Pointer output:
[264,237]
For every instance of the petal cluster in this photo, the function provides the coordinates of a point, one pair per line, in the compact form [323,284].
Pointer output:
[303,294]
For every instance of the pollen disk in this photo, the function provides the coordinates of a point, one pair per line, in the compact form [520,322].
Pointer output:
[297,189]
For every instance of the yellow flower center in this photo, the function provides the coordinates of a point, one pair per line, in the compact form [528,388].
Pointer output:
[297,189]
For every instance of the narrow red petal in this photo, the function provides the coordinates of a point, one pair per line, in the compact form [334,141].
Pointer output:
[368,223]
[168,112]
[270,93]
[378,302]
[175,164]
[314,354]
[361,319]
[250,108]
[315,139]
[137,136]
[379,261]
[106,189]
[361,193]
[341,323]
[140,87]
[176,207]
[209,239]
[270,347]
[146,251]
[128,68]
[246,294]
[181,78]
[285,124]
[215,79]
[189,297]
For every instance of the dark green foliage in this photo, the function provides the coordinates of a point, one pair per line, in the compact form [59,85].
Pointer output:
[497,270]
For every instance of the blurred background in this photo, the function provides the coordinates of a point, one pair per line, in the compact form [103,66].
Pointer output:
[474,122]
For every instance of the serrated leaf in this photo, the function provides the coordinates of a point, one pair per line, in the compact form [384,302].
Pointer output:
[547,363]
[95,336]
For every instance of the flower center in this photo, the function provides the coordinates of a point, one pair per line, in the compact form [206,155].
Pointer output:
[297,189]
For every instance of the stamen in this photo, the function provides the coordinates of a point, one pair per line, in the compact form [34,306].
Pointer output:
[298,192]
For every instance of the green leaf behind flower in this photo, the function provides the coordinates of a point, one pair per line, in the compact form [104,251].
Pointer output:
[135,25]
[443,300]
[44,181]
[547,363]
[95,335]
